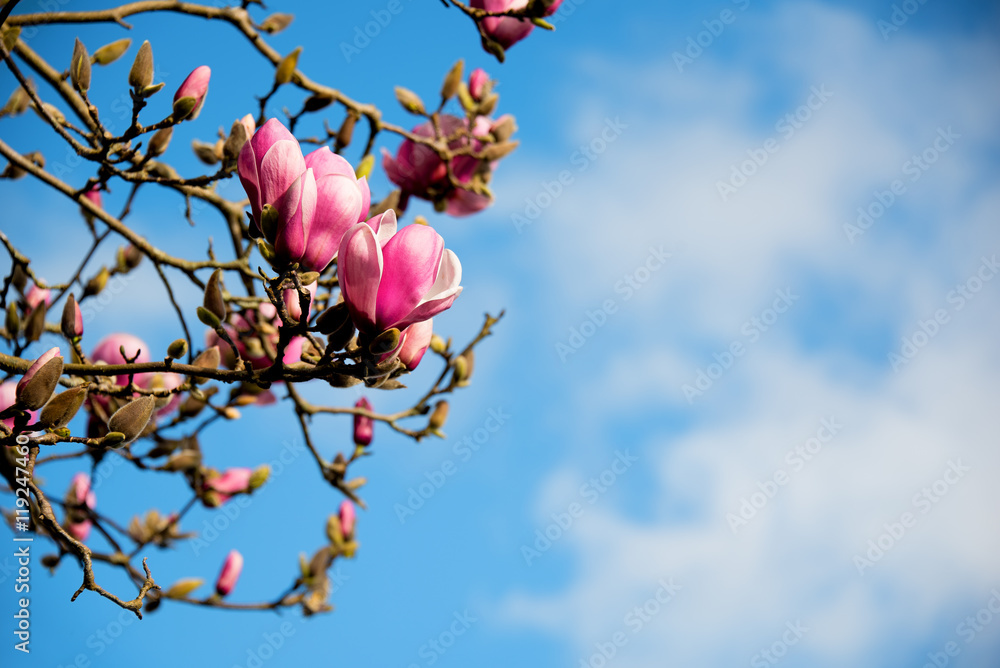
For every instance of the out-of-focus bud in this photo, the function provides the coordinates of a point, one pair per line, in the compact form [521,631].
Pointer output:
[437,344]
[364,426]
[177,349]
[384,342]
[410,101]
[132,418]
[275,23]
[190,97]
[183,588]
[129,258]
[96,284]
[230,573]
[237,137]
[210,358]
[497,151]
[346,131]
[214,301]
[204,152]
[62,407]
[109,53]
[185,460]
[478,82]
[72,319]
[113,439]
[438,417]
[79,67]
[463,368]
[364,167]
[286,68]
[259,477]
[452,80]
[35,325]
[141,74]
[159,142]
[17,103]
[40,380]
[488,104]
[346,516]
[12,322]
[208,318]
[504,128]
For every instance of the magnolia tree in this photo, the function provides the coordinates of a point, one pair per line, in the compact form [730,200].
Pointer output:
[318,282]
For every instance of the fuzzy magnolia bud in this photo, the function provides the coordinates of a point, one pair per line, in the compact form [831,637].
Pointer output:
[62,407]
[79,67]
[346,516]
[159,142]
[439,416]
[184,460]
[410,100]
[132,418]
[177,349]
[259,477]
[40,380]
[275,23]
[183,588]
[36,323]
[96,284]
[141,74]
[230,573]
[214,301]
[364,168]
[452,80]
[72,319]
[286,68]
[463,368]
[109,53]
[346,131]
[237,137]
[437,344]
[12,322]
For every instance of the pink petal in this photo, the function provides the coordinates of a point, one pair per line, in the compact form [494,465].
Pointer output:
[442,294]
[359,268]
[412,259]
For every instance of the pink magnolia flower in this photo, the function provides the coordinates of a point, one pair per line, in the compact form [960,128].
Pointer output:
[249,125]
[242,330]
[347,518]
[317,197]
[419,171]
[77,524]
[408,278]
[107,351]
[45,357]
[164,381]
[414,340]
[229,574]
[552,8]
[8,395]
[291,299]
[364,427]
[94,195]
[233,481]
[195,86]
[477,83]
[505,30]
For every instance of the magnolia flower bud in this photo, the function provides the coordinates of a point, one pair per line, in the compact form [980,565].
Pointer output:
[40,380]
[410,100]
[259,476]
[214,301]
[438,417]
[346,517]
[177,349]
[141,74]
[72,319]
[185,460]
[384,342]
[230,573]
[190,97]
[62,407]
[363,425]
[275,23]
[96,284]
[183,588]
[478,82]
[286,68]
[159,142]
[132,418]
[12,323]
[79,67]
[452,80]
[36,323]
[109,53]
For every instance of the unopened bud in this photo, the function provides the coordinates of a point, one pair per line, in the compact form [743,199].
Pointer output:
[141,74]
[39,382]
[410,101]
[438,417]
[346,131]
[177,349]
[79,67]
[159,142]
[504,128]
[452,80]
[208,318]
[62,407]
[183,107]
[35,325]
[275,23]
[183,588]
[96,284]
[12,322]
[333,318]
[286,68]
[72,319]
[237,137]
[132,418]
[488,104]
[437,344]
[214,301]
[109,53]
[208,358]
[113,439]
[364,167]
[185,460]
[259,477]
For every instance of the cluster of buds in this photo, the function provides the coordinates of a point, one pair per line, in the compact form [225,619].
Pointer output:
[502,32]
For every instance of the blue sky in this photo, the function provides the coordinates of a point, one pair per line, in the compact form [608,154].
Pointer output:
[646,480]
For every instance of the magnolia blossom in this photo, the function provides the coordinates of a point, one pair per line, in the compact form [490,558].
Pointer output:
[505,30]
[94,195]
[108,351]
[233,481]
[477,83]
[229,574]
[196,87]
[8,395]
[397,281]
[77,524]
[347,517]
[291,299]
[316,198]
[36,296]
[419,171]
[363,425]
[242,329]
